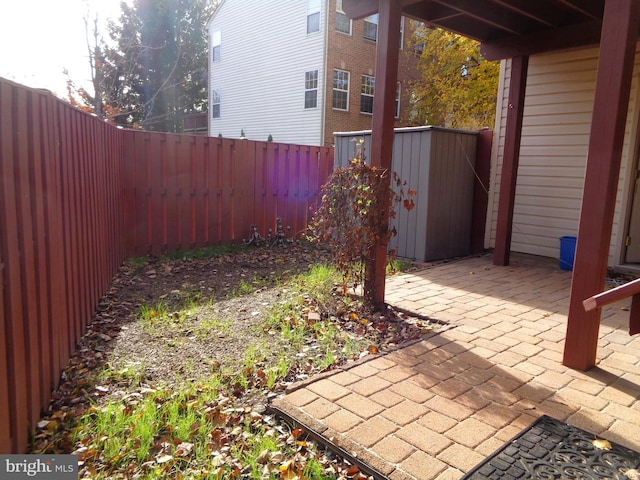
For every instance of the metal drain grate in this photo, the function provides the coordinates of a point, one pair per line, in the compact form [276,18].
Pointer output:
[551,449]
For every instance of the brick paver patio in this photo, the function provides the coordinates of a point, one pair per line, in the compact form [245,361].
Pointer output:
[436,408]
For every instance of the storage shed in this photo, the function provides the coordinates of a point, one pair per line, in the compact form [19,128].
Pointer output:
[439,164]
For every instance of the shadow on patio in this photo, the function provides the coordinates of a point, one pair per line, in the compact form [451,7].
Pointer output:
[436,408]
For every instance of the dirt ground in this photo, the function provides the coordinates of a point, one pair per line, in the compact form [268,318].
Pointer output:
[171,320]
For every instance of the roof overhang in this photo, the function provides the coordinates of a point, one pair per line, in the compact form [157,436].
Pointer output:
[505,28]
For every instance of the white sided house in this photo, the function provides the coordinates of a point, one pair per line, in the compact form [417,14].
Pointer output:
[266,63]
[557,118]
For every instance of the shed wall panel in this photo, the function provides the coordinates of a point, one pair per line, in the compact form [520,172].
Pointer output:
[438,165]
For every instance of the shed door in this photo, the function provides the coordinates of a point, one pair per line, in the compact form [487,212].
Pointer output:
[633,238]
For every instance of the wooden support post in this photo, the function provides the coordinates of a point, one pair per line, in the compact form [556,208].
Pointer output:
[382,129]
[511,157]
[613,84]
[634,315]
[481,190]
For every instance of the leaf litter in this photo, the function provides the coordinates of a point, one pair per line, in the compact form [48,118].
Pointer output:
[182,357]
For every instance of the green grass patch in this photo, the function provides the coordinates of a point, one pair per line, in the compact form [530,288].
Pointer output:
[396,265]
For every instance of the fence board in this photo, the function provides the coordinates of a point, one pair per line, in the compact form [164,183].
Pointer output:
[40,241]
[282,169]
[156,192]
[200,193]
[5,412]
[26,193]
[15,337]
[183,148]
[55,232]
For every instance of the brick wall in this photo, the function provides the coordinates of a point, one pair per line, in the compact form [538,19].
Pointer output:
[355,54]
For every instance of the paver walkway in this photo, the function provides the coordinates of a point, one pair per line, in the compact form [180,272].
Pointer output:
[436,408]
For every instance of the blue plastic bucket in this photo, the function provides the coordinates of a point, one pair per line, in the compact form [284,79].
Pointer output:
[567,252]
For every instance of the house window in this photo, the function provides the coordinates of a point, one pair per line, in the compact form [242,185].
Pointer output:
[371,27]
[366,94]
[419,38]
[311,89]
[340,90]
[343,22]
[215,46]
[313,16]
[215,104]
[398,101]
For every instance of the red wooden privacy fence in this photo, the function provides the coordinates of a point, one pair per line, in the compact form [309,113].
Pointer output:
[78,196]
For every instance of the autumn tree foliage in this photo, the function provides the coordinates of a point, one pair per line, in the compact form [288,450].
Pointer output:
[457,86]
[151,69]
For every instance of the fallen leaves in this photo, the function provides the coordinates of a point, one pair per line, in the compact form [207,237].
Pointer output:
[144,415]
[601,444]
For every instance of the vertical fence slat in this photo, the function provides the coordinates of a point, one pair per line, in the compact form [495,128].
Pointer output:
[26,193]
[212,158]
[5,410]
[15,335]
[156,193]
[129,192]
[183,150]
[267,186]
[226,188]
[140,186]
[55,245]
[200,186]
[294,189]
[170,190]
[283,185]
[6,434]
[304,181]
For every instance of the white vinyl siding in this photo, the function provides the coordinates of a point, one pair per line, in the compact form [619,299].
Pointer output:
[260,96]
[555,136]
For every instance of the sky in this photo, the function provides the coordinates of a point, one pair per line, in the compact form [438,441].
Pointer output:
[40,38]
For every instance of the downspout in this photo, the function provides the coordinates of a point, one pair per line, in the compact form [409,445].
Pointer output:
[325,49]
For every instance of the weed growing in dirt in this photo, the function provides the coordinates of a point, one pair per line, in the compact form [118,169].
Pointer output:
[129,374]
[212,324]
[153,316]
[296,317]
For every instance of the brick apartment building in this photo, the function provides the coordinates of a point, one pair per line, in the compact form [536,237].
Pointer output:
[296,71]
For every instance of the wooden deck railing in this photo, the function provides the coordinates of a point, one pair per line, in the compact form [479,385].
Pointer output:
[631,289]
[79,196]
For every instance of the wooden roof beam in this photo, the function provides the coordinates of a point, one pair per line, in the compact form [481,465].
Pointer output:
[538,13]
[589,8]
[544,41]
[432,13]
[477,11]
